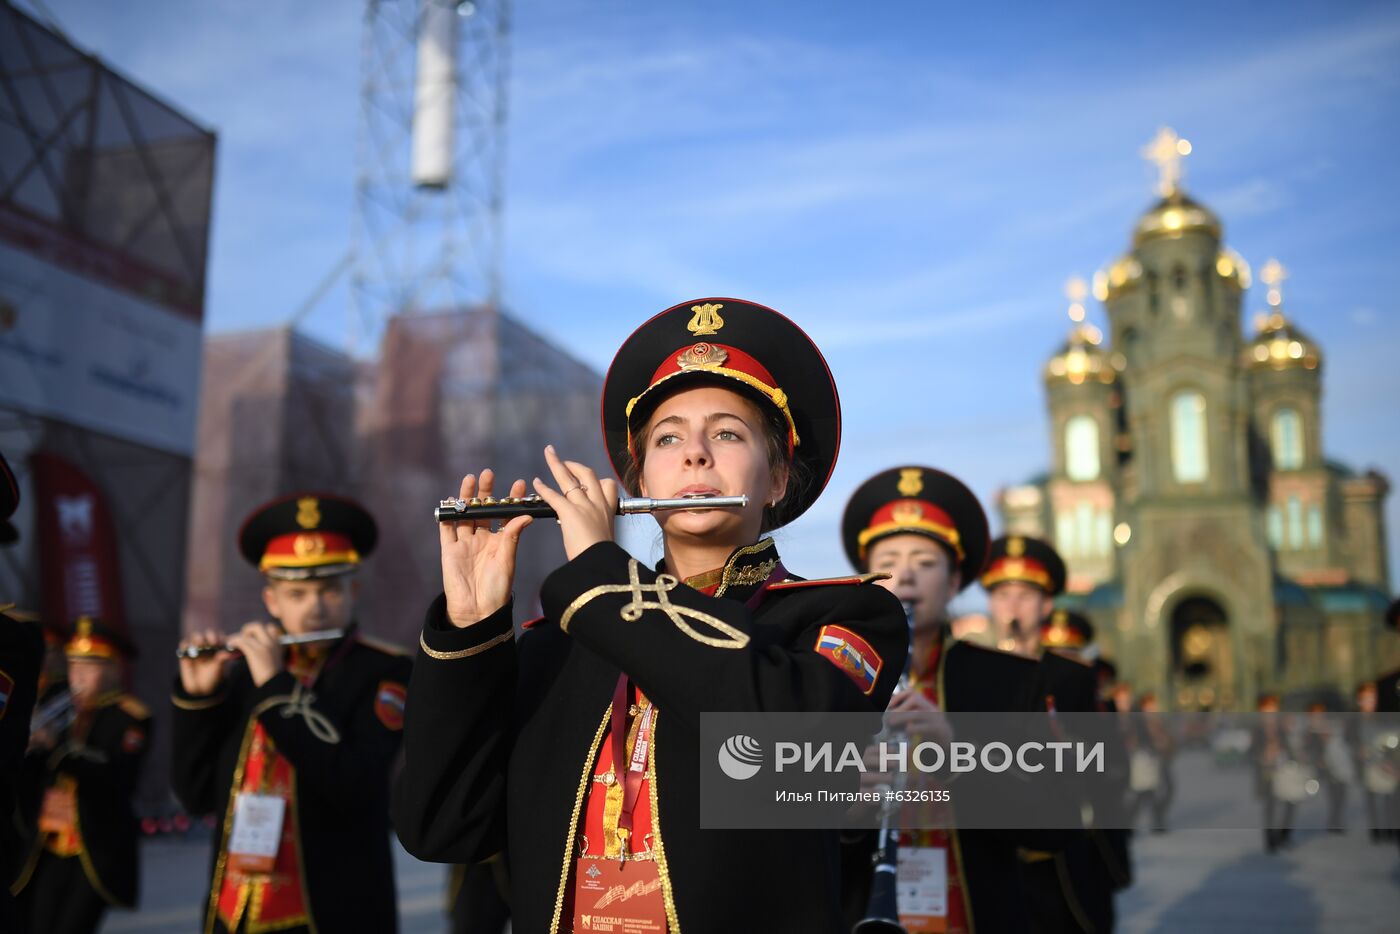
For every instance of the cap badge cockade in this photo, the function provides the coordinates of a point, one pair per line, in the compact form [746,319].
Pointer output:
[702,356]
[907,513]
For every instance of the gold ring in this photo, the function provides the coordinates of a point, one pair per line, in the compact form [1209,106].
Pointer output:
[576,486]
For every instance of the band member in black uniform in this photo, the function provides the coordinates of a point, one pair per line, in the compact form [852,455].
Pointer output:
[1022,578]
[926,529]
[1096,863]
[574,745]
[21,648]
[1388,684]
[291,745]
[84,859]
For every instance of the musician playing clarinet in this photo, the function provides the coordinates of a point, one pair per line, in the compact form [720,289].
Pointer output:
[290,745]
[574,745]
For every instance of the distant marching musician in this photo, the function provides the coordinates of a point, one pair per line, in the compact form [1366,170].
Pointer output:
[84,768]
[291,745]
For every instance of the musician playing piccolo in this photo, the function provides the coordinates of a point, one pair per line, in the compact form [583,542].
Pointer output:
[574,746]
[290,745]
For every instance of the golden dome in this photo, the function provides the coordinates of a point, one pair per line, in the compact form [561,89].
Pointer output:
[1083,359]
[1174,216]
[1279,345]
[1231,267]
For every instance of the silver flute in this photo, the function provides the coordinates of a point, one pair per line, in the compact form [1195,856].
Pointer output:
[486,507]
[320,635]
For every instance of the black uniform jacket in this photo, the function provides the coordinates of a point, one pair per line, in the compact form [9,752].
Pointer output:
[502,733]
[21,649]
[340,736]
[1388,692]
[971,679]
[1095,863]
[102,753]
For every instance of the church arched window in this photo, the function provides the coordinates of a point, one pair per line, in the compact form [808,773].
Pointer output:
[1286,439]
[1082,448]
[1190,457]
[1295,523]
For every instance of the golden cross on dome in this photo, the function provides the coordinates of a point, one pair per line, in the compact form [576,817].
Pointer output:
[1167,150]
[1076,290]
[1273,275]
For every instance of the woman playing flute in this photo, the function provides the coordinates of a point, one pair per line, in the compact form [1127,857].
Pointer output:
[573,747]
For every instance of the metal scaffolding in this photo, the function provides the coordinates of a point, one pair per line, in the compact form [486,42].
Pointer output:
[432,245]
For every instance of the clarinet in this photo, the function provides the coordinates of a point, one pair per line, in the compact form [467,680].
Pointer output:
[882,910]
[57,712]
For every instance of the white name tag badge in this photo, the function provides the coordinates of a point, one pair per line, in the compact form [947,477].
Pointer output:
[921,885]
[257,831]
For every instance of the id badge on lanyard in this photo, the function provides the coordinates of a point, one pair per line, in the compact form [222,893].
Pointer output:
[622,896]
[257,831]
[922,889]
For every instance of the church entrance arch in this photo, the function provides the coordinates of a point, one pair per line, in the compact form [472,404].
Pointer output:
[1202,658]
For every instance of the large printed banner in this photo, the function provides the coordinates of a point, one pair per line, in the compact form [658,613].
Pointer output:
[78,351]
[77,544]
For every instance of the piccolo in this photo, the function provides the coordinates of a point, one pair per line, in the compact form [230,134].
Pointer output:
[320,635]
[467,510]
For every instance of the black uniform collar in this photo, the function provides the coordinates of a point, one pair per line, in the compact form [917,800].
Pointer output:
[747,569]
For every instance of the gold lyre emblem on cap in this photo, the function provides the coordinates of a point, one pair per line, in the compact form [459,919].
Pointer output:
[702,356]
[1016,546]
[706,320]
[907,513]
[308,512]
[911,481]
[84,627]
[308,546]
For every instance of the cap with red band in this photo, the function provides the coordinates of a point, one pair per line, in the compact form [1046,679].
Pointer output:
[1026,560]
[308,535]
[94,639]
[917,501]
[1066,629]
[736,345]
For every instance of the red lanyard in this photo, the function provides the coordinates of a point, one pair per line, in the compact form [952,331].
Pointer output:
[637,765]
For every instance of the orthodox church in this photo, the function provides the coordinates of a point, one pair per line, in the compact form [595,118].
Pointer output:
[1217,550]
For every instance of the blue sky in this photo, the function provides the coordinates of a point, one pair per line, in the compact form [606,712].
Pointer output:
[912,182]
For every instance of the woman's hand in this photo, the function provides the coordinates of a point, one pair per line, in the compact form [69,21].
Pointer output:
[478,565]
[585,505]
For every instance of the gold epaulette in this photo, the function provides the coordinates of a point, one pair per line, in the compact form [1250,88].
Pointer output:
[381,645]
[134,707]
[848,580]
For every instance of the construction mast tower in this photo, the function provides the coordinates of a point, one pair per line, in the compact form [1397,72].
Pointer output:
[430,159]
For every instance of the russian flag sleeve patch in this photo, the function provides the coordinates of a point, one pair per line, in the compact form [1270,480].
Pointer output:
[389,704]
[852,654]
